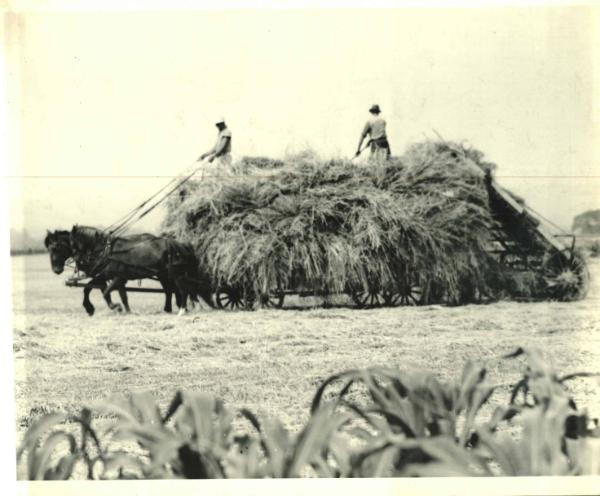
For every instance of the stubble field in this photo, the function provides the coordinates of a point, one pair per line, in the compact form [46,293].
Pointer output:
[270,361]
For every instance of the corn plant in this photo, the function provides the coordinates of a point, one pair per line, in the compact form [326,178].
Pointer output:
[407,424]
[404,407]
[54,456]
[319,447]
[420,426]
[557,438]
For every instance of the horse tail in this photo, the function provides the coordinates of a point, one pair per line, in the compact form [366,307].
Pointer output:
[189,273]
[202,283]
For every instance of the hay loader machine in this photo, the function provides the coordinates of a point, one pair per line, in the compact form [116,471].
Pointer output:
[525,241]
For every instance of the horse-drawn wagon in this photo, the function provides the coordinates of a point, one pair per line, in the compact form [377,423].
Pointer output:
[431,227]
[522,242]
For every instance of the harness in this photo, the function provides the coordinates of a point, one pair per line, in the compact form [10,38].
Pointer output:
[98,259]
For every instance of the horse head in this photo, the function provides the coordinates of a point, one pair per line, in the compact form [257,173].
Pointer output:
[80,241]
[58,245]
[86,242]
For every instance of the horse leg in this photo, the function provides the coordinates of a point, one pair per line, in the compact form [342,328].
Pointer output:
[115,283]
[181,290]
[183,303]
[173,290]
[87,304]
[193,299]
[168,307]
[124,298]
[168,289]
[170,278]
[189,291]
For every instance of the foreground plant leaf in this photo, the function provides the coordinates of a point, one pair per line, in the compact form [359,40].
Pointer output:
[377,422]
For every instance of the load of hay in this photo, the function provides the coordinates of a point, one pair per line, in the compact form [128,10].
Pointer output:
[333,226]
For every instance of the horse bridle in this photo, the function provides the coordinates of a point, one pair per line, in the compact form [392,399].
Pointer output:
[63,248]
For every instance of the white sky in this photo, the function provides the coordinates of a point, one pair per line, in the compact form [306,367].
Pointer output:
[105,102]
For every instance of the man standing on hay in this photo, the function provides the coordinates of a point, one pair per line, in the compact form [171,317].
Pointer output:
[222,148]
[375,129]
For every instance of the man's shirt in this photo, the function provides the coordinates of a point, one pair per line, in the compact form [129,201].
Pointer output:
[224,135]
[375,128]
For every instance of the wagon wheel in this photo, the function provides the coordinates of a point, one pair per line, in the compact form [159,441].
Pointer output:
[273,299]
[566,276]
[368,299]
[406,294]
[230,298]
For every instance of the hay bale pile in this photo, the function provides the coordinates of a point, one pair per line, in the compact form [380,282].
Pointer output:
[335,226]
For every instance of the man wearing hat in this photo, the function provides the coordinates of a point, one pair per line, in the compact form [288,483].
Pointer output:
[222,148]
[375,129]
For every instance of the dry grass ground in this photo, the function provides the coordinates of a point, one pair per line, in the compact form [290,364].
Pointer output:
[270,361]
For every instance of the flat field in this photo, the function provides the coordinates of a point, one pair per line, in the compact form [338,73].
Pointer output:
[270,361]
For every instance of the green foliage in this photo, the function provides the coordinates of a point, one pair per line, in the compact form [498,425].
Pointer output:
[363,423]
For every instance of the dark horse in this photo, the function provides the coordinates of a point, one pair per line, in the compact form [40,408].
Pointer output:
[60,245]
[120,259]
